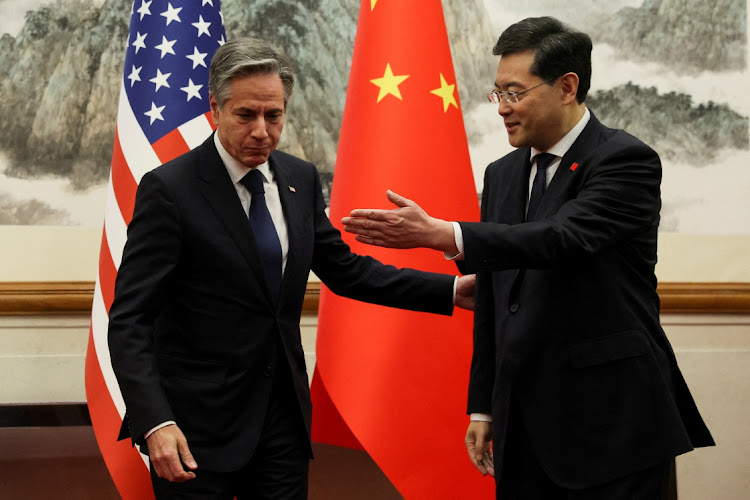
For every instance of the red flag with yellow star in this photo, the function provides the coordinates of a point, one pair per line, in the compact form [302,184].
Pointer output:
[390,381]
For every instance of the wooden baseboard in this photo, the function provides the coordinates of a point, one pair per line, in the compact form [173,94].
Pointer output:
[75,297]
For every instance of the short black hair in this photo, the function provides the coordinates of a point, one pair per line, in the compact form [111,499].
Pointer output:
[558,49]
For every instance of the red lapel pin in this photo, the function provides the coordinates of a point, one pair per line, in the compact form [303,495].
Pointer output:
[573,167]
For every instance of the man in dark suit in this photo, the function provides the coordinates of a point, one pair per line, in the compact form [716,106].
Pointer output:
[572,377]
[204,329]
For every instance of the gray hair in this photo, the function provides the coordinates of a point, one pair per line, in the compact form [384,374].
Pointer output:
[247,56]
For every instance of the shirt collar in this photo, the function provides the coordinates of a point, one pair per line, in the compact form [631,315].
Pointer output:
[564,144]
[237,170]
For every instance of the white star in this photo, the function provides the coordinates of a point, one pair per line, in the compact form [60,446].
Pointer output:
[145,10]
[192,90]
[160,80]
[155,113]
[172,14]
[140,41]
[166,46]
[198,58]
[222,41]
[135,75]
[221,14]
[202,26]
[209,2]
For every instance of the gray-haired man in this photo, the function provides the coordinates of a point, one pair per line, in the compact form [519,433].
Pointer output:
[204,329]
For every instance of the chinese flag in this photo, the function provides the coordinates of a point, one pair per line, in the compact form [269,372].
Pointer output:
[390,381]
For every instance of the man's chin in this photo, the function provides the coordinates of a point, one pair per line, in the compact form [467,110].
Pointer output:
[255,159]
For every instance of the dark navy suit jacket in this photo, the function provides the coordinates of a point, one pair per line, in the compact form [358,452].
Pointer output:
[193,330]
[567,314]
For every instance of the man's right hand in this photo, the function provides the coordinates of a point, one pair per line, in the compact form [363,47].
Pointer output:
[168,451]
[478,445]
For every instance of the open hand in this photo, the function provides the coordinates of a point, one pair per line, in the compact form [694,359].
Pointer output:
[407,226]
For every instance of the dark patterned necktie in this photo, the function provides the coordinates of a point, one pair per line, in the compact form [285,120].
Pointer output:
[265,232]
[539,186]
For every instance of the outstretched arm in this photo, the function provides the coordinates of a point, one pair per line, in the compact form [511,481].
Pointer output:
[406,226]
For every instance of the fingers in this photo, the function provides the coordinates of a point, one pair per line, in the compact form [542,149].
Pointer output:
[380,214]
[474,446]
[368,213]
[398,200]
[478,446]
[488,460]
[169,454]
[465,291]
[170,468]
[362,228]
[369,240]
[355,224]
[187,457]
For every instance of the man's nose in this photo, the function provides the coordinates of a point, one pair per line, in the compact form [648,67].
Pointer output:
[503,107]
[258,129]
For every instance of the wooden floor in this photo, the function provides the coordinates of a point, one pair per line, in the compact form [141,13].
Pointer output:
[63,463]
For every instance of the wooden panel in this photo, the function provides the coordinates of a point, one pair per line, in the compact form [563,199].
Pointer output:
[75,297]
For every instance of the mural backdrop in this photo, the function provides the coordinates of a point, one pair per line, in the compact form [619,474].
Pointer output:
[672,72]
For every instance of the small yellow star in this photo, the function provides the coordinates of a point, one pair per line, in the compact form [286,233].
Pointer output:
[389,83]
[372,4]
[446,93]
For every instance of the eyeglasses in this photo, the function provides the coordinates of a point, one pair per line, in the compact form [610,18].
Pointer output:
[509,96]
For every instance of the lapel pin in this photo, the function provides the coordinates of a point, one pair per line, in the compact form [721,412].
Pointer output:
[291,188]
[573,167]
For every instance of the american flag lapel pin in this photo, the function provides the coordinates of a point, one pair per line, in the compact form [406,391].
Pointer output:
[291,188]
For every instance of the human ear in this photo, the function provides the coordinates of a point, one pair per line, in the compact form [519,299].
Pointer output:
[569,87]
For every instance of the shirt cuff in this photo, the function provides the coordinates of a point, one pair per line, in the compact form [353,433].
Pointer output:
[163,424]
[459,237]
[480,417]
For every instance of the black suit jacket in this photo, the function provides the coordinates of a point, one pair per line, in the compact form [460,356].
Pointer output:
[567,316]
[193,330]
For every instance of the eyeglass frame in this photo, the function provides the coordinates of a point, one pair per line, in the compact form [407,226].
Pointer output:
[510,96]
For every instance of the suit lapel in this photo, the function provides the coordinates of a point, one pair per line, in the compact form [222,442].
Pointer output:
[518,199]
[290,205]
[566,172]
[572,164]
[221,195]
[512,189]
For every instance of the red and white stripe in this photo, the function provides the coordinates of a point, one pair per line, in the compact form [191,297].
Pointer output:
[132,157]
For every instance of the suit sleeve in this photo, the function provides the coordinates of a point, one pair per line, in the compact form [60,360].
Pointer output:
[366,279]
[150,255]
[619,201]
[482,373]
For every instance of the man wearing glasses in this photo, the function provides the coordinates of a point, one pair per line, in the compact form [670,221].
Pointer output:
[572,379]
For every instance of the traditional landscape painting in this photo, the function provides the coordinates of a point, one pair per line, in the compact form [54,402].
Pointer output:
[673,73]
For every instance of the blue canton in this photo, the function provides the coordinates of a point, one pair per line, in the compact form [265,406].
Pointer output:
[166,64]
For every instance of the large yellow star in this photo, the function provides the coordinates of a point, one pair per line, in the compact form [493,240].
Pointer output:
[446,93]
[372,4]
[389,83]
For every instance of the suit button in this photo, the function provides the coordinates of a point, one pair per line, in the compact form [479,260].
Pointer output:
[267,371]
[514,308]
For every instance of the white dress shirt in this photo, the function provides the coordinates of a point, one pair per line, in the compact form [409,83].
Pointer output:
[236,172]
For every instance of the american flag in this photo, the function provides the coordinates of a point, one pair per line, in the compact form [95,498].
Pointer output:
[163,112]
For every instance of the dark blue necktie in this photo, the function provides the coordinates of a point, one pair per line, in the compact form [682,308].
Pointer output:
[265,232]
[539,186]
